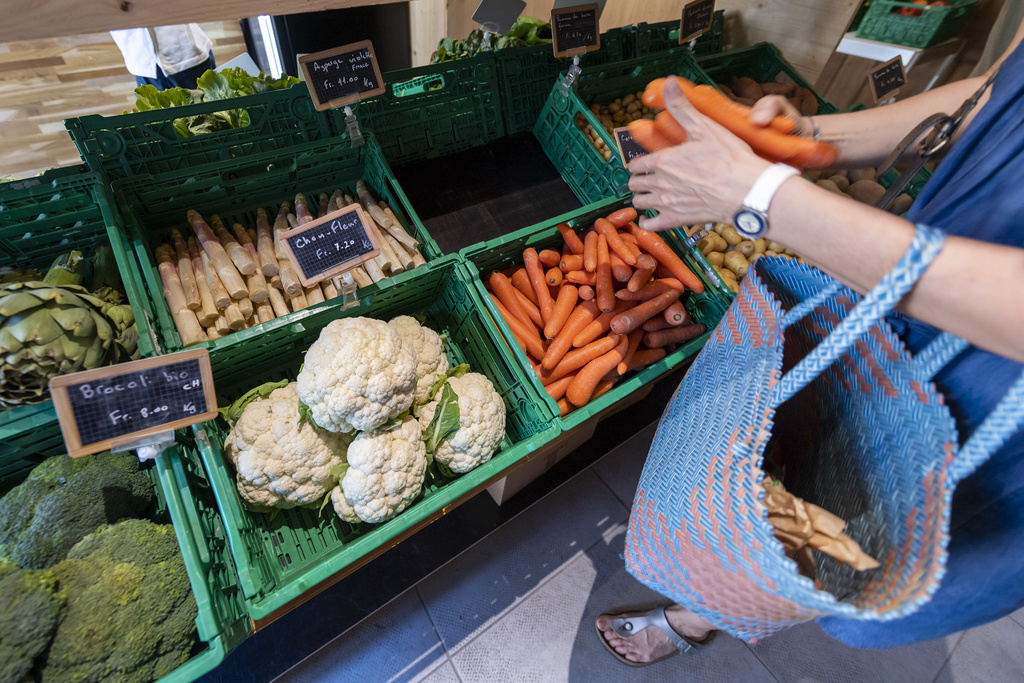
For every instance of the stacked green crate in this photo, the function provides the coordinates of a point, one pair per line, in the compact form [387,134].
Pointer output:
[664,35]
[913,25]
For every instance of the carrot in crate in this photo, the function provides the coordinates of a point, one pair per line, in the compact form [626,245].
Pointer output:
[622,218]
[583,315]
[645,265]
[674,335]
[644,357]
[590,252]
[506,293]
[586,292]
[600,326]
[577,358]
[627,321]
[553,277]
[603,277]
[556,389]
[549,257]
[656,247]
[581,277]
[535,271]
[521,330]
[620,271]
[635,337]
[615,243]
[531,310]
[676,314]
[583,385]
[564,305]
[572,240]
[571,262]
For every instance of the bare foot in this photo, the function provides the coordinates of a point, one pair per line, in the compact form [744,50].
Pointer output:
[652,644]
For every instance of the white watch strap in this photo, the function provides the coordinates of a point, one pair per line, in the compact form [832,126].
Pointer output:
[768,183]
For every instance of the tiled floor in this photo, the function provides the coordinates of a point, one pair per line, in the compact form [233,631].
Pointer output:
[520,606]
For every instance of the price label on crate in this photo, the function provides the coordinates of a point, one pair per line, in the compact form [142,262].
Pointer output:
[331,245]
[498,15]
[120,404]
[343,75]
[697,16]
[888,79]
[629,148]
[575,30]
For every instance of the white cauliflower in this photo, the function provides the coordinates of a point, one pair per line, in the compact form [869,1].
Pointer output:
[357,375]
[281,461]
[386,470]
[481,425]
[429,352]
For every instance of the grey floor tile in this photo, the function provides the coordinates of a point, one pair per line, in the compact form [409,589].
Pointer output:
[992,653]
[1018,616]
[395,643]
[621,468]
[806,653]
[474,589]
[442,674]
[550,637]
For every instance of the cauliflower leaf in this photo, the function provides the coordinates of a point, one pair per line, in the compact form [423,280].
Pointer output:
[234,411]
[445,421]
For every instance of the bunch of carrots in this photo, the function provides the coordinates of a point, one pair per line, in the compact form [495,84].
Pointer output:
[604,305]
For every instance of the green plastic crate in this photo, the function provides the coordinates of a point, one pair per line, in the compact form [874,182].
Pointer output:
[568,147]
[146,142]
[433,110]
[280,559]
[185,500]
[152,205]
[664,35]
[527,75]
[486,257]
[932,26]
[41,218]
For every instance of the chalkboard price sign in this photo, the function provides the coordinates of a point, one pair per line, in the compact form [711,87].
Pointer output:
[343,75]
[697,16]
[629,148]
[887,79]
[575,30]
[331,245]
[121,404]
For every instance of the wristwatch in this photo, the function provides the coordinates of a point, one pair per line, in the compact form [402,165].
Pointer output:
[751,220]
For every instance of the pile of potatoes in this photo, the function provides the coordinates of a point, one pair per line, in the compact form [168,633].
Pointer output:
[747,91]
[614,115]
[732,255]
[858,184]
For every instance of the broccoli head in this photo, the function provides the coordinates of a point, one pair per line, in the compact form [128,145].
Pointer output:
[131,612]
[30,609]
[65,499]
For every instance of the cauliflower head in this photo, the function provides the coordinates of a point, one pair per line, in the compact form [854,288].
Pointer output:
[481,424]
[357,375]
[282,461]
[426,345]
[386,470]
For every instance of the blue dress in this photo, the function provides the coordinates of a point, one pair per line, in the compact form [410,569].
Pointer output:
[977,193]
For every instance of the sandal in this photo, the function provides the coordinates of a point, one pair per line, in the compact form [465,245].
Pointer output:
[626,627]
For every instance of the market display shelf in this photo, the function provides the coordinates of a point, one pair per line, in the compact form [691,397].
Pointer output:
[484,258]
[913,25]
[185,500]
[235,190]
[280,558]
[568,147]
[41,218]
[128,145]
[664,35]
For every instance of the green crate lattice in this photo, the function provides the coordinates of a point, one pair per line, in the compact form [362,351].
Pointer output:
[934,25]
[235,190]
[280,559]
[664,35]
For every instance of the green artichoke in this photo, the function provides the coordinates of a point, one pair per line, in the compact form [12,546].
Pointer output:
[46,331]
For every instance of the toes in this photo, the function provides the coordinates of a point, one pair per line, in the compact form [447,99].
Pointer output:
[604,622]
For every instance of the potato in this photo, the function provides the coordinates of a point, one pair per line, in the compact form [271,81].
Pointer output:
[901,204]
[746,101]
[737,263]
[706,245]
[730,235]
[746,247]
[812,175]
[866,191]
[715,258]
[719,227]
[788,252]
[776,247]
[828,185]
[632,107]
[843,172]
[727,90]
[861,174]
[614,107]
[629,99]
[784,89]
[746,87]
[753,259]
[841,181]
[596,108]
[770,253]
[760,245]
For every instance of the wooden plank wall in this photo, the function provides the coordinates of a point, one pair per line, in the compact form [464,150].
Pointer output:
[47,80]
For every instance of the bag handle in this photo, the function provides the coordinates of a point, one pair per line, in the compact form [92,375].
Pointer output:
[923,249]
[1003,422]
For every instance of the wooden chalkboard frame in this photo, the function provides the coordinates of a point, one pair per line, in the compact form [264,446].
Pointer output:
[616,132]
[305,60]
[881,67]
[682,21]
[65,415]
[371,234]
[578,50]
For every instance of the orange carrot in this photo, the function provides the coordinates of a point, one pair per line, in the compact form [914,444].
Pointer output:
[645,265]
[673,335]
[645,357]
[670,128]
[583,385]
[571,262]
[602,388]
[654,97]
[549,257]
[553,277]
[533,268]
[556,389]
[599,326]
[676,314]
[586,292]
[534,346]
[627,237]
[615,242]
[656,247]
[532,311]
[581,277]
[590,252]
[583,315]
[567,298]
[647,135]
[521,281]
[635,337]
[650,290]
[572,240]
[656,323]
[564,407]
[620,271]
[604,288]
[577,358]
[627,321]
[622,217]
[506,293]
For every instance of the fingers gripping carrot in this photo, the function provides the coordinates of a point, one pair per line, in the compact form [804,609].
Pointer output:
[583,385]
[590,252]
[647,135]
[615,243]
[521,281]
[584,314]
[536,272]
[656,247]
[605,289]
[654,97]
[645,265]
[566,302]
[572,240]
[627,321]
[670,128]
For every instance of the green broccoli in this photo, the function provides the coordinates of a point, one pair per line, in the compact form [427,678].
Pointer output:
[30,609]
[65,499]
[131,612]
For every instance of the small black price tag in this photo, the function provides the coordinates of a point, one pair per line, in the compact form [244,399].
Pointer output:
[575,30]
[343,75]
[331,245]
[629,148]
[120,404]
[697,16]
[888,79]
[498,16]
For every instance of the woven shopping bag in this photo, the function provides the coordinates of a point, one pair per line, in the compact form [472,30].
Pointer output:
[861,430]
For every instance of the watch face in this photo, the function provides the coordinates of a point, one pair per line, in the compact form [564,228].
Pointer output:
[749,223]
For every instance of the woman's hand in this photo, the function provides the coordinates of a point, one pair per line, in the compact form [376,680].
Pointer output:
[770,106]
[702,180]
